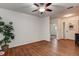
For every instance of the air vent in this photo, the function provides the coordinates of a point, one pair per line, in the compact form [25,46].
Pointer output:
[70,7]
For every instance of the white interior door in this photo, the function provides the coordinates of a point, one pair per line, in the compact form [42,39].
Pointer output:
[70,28]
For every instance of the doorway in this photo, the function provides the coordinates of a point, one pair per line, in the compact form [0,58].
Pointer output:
[53,29]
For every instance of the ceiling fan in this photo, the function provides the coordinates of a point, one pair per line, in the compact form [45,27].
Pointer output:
[42,7]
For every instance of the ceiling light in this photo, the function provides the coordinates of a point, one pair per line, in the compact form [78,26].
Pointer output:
[68,15]
[41,9]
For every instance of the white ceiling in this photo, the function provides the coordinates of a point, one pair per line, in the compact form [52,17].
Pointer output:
[58,8]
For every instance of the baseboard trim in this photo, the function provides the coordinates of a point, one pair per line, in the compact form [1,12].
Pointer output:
[67,39]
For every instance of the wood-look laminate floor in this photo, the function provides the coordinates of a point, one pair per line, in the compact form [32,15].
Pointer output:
[45,48]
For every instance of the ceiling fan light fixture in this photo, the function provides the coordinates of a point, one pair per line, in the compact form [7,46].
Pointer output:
[42,9]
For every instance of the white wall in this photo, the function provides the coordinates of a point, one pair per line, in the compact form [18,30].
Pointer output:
[60,28]
[45,28]
[26,27]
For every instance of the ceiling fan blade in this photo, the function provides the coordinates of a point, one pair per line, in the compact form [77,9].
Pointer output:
[35,10]
[48,4]
[48,10]
[36,4]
